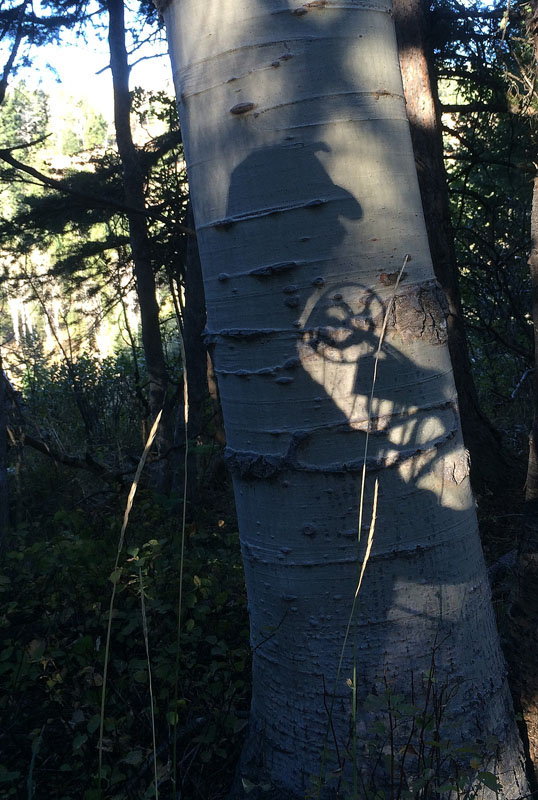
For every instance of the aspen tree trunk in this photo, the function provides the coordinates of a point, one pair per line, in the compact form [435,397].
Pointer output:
[306,203]
[422,105]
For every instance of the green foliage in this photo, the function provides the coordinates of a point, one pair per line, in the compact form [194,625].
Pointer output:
[491,204]
[404,754]
[87,405]
[482,60]
[25,116]
[55,587]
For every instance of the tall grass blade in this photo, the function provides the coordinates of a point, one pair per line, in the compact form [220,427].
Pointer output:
[150,683]
[181,556]
[368,545]
[35,750]
[128,507]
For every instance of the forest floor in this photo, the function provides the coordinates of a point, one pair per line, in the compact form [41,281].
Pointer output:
[55,586]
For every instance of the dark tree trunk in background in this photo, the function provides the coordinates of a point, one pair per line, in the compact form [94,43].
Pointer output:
[524,653]
[3,466]
[531,486]
[194,318]
[480,438]
[133,184]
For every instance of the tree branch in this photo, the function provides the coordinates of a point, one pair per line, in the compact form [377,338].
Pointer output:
[13,54]
[87,463]
[495,107]
[86,197]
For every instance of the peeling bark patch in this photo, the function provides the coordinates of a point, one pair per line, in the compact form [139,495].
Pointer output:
[390,278]
[242,108]
[420,313]
[457,468]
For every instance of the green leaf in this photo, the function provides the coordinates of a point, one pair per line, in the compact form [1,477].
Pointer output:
[79,740]
[489,780]
[93,724]
[36,648]
[134,757]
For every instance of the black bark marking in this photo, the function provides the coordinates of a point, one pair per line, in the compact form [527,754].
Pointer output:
[273,269]
[242,108]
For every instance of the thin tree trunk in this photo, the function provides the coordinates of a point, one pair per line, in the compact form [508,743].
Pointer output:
[422,104]
[194,318]
[3,462]
[133,184]
[311,235]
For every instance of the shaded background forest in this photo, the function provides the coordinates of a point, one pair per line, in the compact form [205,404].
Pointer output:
[102,310]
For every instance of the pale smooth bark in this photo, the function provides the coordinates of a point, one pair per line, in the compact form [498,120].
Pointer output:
[306,202]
